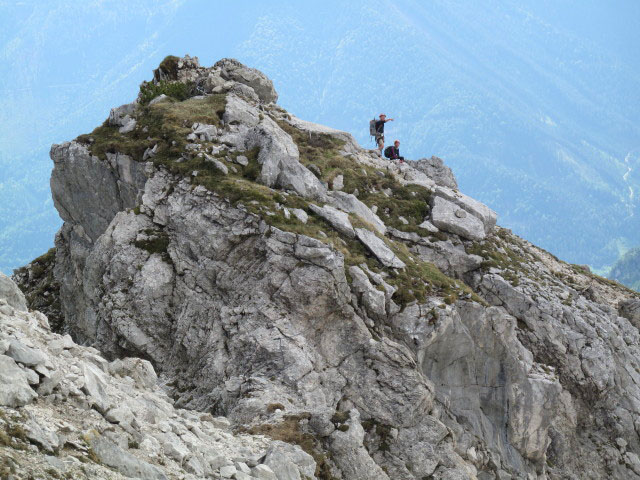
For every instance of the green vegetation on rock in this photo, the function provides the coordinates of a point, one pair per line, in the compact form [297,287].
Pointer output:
[177,90]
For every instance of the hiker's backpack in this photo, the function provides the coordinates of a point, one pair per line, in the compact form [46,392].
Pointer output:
[372,127]
[388,152]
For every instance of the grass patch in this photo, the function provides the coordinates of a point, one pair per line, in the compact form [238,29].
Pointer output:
[155,242]
[177,90]
[165,124]
[381,430]
[320,153]
[291,430]
[497,253]
[169,66]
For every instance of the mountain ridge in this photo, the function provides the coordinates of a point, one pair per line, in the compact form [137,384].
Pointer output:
[274,272]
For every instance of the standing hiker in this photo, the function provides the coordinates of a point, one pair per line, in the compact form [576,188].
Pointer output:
[379,131]
[393,152]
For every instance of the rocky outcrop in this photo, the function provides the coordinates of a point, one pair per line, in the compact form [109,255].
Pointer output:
[65,411]
[436,170]
[388,327]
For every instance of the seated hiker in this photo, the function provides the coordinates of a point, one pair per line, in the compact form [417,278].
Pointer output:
[393,152]
[380,131]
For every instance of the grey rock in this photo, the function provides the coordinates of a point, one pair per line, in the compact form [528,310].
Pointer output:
[238,111]
[379,248]
[128,125]
[480,211]
[113,456]
[15,391]
[242,160]
[373,299]
[218,164]
[429,227]
[630,309]
[204,132]
[349,203]
[300,214]
[120,116]
[141,371]
[231,69]
[435,169]
[95,384]
[25,355]
[227,471]
[10,292]
[118,185]
[444,215]
[263,472]
[288,462]
[337,219]
[41,436]
[338,182]
[160,98]
[451,259]
[279,158]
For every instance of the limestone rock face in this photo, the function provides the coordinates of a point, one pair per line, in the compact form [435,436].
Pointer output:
[141,436]
[388,327]
[435,169]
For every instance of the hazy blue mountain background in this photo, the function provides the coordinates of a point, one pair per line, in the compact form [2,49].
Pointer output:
[533,103]
[627,269]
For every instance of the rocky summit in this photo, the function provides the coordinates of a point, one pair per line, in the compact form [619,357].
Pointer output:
[239,293]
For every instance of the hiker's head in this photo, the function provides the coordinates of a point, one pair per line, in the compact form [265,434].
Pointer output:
[397,143]
[382,116]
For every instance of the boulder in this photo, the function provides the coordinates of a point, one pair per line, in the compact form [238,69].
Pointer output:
[138,369]
[371,298]
[231,69]
[379,249]
[337,219]
[95,384]
[10,292]
[479,210]
[28,356]
[120,116]
[42,436]
[15,390]
[128,125]
[349,203]
[338,182]
[241,160]
[437,171]
[160,98]
[238,111]
[204,132]
[279,158]
[263,472]
[300,214]
[289,462]
[122,461]
[449,217]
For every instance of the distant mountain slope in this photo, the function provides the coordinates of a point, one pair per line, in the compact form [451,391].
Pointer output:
[627,269]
